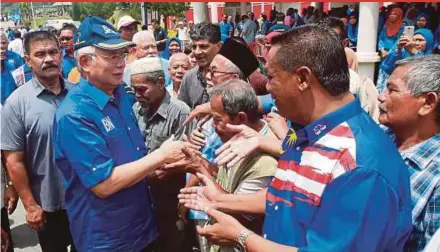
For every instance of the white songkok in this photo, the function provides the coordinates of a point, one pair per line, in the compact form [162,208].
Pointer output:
[146,65]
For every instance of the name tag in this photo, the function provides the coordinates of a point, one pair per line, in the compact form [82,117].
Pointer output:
[108,124]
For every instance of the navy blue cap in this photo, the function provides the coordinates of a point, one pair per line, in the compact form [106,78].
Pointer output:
[95,31]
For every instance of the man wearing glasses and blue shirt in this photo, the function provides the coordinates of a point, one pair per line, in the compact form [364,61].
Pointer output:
[101,153]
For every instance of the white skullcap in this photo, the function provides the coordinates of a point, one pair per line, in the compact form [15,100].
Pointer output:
[146,65]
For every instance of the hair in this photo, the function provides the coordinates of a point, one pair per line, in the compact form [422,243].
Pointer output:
[37,36]
[17,34]
[78,53]
[154,21]
[206,30]
[333,22]
[187,47]
[237,96]
[243,17]
[423,75]
[138,37]
[318,49]
[144,27]
[70,27]
[176,55]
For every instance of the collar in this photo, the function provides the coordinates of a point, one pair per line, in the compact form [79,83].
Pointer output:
[65,54]
[163,107]
[39,88]
[97,95]
[422,153]
[325,124]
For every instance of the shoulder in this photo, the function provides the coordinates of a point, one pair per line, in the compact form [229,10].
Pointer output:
[178,106]
[77,103]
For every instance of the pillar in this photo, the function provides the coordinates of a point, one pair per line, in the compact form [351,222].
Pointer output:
[214,12]
[318,5]
[243,8]
[367,38]
[200,12]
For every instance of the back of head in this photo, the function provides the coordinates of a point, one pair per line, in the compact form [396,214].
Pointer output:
[318,49]
[70,27]
[142,36]
[37,36]
[237,96]
[206,30]
[333,23]
[17,34]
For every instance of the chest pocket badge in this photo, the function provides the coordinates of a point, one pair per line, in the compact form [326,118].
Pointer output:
[108,124]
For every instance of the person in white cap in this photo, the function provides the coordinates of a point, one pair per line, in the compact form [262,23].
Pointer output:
[127,27]
[159,116]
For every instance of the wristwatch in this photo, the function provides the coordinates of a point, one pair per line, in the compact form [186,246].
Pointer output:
[241,239]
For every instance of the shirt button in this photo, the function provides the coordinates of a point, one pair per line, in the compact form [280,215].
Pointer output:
[276,208]
[264,236]
[298,148]
[137,148]
[94,169]
[406,162]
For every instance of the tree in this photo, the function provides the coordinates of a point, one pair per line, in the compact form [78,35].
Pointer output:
[101,9]
[76,11]
[170,8]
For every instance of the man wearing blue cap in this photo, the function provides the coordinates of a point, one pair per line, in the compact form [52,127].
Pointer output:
[100,150]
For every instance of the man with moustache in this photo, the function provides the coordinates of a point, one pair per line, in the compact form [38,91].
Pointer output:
[206,39]
[26,142]
[409,107]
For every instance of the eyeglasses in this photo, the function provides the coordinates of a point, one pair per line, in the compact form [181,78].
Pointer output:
[65,38]
[113,58]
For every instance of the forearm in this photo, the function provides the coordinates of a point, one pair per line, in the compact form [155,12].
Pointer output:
[254,203]
[270,145]
[256,243]
[19,177]
[126,175]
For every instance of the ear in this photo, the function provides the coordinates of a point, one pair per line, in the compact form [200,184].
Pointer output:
[27,59]
[219,45]
[161,83]
[345,42]
[430,103]
[304,74]
[84,61]
[241,118]
[132,50]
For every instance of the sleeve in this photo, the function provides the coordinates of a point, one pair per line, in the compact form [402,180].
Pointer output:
[12,128]
[381,39]
[390,61]
[432,219]
[267,102]
[356,205]
[84,147]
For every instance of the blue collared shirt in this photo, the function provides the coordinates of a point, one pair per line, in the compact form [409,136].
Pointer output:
[7,84]
[341,185]
[94,133]
[14,59]
[68,64]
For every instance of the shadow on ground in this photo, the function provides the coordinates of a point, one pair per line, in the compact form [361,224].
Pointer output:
[23,236]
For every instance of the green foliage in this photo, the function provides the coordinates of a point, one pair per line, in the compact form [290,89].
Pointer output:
[76,11]
[170,8]
[101,9]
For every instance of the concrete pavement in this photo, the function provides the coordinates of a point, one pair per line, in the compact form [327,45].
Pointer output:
[25,239]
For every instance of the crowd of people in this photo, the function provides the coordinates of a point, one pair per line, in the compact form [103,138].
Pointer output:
[259,136]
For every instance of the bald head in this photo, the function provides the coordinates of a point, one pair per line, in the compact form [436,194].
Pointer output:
[145,45]
[179,65]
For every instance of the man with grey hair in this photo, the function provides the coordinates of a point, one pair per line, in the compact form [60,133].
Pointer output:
[409,107]
[159,117]
[235,102]
[145,47]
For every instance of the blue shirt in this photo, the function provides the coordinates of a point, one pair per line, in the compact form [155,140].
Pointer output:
[226,28]
[102,133]
[341,185]
[14,59]
[388,43]
[7,82]
[68,64]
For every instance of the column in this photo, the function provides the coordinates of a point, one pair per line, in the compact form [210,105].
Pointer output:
[214,12]
[200,12]
[318,5]
[367,38]
[243,8]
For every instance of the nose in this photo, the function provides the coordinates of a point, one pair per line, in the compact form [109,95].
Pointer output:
[382,96]
[208,76]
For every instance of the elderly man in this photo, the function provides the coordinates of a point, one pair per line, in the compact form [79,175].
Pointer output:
[159,116]
[26,142]
[127,27]
[66,37]
[102,158]
[409,107]
[12,58]
[206,39]
[146,47]
[339,177]
[178,67]
[8,83]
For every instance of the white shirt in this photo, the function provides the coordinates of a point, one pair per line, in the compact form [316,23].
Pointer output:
[16,45]
[182,33]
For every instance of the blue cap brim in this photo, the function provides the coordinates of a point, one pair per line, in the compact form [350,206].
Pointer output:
[114,44]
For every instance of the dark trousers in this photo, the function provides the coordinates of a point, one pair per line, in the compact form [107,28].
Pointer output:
[56,237]
[152,247]
[7,228]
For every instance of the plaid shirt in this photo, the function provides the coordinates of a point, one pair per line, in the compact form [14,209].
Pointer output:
[423,161]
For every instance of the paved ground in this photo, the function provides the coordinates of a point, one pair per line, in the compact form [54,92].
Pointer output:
[25,239]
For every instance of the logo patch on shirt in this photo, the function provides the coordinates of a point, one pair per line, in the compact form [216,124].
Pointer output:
[108,125]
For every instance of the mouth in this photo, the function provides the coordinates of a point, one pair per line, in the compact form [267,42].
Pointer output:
[382,109]
[49,68]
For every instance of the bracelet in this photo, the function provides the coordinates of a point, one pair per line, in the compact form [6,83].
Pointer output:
[241,239]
